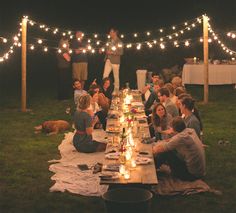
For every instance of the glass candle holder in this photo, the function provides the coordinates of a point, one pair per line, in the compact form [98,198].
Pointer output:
[127,175]
[122,169]
[133,163]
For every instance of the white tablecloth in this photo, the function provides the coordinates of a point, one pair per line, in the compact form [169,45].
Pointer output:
[218,74]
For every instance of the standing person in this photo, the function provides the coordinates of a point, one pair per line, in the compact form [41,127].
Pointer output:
[114,50]
[64,70]
[79,59]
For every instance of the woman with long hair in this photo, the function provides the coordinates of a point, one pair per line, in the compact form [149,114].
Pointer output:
[161,122]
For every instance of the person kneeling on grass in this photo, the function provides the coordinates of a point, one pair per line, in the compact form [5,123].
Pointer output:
[84,122]
[183,152]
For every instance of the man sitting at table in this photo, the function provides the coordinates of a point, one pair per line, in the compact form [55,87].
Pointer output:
[153,97]
[183,152]
[148,88]
[164,97]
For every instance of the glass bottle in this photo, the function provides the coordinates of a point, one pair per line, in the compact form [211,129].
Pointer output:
[122,150]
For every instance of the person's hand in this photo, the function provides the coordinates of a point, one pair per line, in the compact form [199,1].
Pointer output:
[95,120]
[169,131]
[109,52]
[78,51]
[90,112]
[94,82]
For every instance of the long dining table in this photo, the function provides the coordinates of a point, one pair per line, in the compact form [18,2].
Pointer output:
[128,158]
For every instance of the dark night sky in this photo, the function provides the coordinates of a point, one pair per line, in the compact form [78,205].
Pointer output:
[127,16]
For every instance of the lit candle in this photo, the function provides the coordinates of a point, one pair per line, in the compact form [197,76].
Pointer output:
[133,163]
[128,155]
[122,169]
[127,174]
[194,60]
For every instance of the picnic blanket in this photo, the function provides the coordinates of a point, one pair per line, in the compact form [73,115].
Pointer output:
[68,177]
[169,185]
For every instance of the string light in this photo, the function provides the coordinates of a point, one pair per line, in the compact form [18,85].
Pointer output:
[232,34]
[138,42]
[222,45]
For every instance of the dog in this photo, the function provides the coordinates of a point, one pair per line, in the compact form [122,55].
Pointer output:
[52,127]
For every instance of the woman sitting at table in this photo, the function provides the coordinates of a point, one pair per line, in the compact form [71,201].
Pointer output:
[84,121]
[107,88]
[161,121]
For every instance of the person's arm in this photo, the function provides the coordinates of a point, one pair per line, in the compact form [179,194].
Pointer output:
[158,148]
[67,57]
[89,130]
[145,88]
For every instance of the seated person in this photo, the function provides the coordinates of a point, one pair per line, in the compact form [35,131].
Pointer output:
[183,152]
[148,89]
[103,101]
[164,97]
[187,108]
[107,88]
[161,121]
[153,97]
[176,82]
[171,89]
[97,108]
[78,91]
[84,122]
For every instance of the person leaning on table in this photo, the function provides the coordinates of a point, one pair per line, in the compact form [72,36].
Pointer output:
[183,152]
[84,122]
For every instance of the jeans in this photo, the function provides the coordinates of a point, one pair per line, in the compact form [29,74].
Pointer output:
[178,166]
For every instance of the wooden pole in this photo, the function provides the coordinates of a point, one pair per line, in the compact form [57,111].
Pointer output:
[205,53]
[23,65]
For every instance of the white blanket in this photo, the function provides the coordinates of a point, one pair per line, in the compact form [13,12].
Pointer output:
[68,177]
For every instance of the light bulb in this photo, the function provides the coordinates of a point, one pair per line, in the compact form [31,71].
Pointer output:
[162,46]
[40,41]
[186,43]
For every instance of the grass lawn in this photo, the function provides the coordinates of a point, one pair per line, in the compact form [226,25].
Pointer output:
[25,178]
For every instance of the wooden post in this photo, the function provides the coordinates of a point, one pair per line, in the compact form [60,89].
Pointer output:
[23,64]
[205,53]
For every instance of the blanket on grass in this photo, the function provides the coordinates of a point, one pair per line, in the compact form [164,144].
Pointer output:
[68,177]
[170,186]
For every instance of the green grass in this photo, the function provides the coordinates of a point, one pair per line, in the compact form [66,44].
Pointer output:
[25,178]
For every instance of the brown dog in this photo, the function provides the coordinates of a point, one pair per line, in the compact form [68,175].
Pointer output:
[52,127]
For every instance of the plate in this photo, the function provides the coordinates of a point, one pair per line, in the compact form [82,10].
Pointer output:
[112,156]
[143,160]
[113,129]
[106,175]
